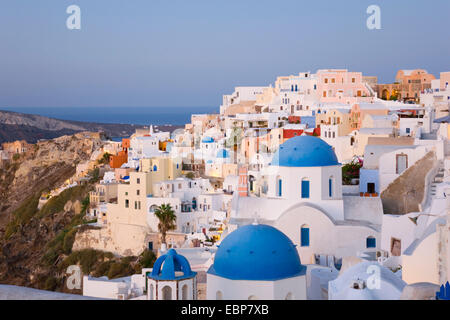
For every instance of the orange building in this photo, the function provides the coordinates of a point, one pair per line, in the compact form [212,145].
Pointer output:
[116,161]
[407,86]
[16,146]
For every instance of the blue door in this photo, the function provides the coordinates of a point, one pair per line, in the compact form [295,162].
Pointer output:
[305,189]
[280,185]
[371,242]
[330,187]
[304,237]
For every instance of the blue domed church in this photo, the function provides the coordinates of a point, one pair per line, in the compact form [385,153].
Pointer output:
[301,194]
[258,262]
[171,279]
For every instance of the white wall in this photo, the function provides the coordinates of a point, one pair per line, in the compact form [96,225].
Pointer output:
[103,288]
[261,290]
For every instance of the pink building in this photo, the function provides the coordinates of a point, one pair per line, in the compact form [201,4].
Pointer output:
[342,86]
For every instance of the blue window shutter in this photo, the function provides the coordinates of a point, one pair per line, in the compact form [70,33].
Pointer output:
[330,187]
[305,189]
[371,243]
[155,168]
[280,185]
[304,237]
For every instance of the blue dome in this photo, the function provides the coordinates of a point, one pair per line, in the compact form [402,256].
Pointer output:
[305,151]
[222,153]
[207,140]
[257,252]
[167,266]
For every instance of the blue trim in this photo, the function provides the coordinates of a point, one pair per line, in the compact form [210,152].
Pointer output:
[304,238]
[444,292]
[371,242]
[305,189]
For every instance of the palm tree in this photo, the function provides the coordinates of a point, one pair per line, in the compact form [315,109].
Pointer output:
[167,219]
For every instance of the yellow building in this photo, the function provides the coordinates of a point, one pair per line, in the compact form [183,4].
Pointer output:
[339,117]
[128,220]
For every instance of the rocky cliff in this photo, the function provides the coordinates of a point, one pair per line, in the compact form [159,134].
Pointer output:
[25,232]
[36,242]
[32,128]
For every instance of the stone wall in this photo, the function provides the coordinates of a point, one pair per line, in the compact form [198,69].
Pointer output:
[406,192]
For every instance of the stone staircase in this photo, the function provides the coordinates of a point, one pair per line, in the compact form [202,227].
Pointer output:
[438,178]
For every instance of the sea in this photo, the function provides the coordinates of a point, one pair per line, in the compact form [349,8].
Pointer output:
[127,115]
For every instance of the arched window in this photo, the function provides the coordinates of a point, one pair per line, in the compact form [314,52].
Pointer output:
[289,296]
[252,297]
[153,208]
[219,295]
[184,292]
[371,242]
[279,187]
[330,187]
[304,236]
[152,296]
[167,293]
[155,168]
[305,189]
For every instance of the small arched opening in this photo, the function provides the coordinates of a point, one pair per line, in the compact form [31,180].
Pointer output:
[166,293]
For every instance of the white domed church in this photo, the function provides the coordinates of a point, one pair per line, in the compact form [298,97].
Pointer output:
[302,196]
[256,262]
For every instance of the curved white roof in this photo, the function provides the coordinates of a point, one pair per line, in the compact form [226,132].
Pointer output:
[391,285]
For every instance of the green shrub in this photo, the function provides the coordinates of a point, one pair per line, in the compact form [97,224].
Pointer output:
[72,259]
[51,283]
[190,175]
[350,171]
[57,203]
[118,270]
[88,259]
[104,158]
[95,175]
[108,255]
[50,256]
[23,214]
[147,259]
[69,238]
[102,269]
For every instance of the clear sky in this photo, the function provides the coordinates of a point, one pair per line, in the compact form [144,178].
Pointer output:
[191,52]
